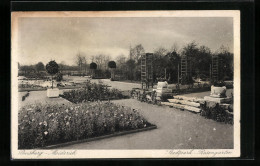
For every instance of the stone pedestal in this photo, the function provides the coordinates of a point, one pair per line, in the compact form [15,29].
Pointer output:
[218,95]
[60,92]
[53,92]
[218,99]
[162,84]
[218,92]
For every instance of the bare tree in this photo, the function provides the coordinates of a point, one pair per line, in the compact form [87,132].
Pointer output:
[175,48]
[84,63]
[136,52]
[99,59]
[160,52]
[121,61]
[92,58]
[80,61]
[107,58]
[222,49]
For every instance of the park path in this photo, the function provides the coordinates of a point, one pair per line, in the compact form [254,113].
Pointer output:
[124,86]
[39,97]
[127,86]
[176,130]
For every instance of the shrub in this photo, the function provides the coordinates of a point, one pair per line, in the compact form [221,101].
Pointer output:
[93,92]
[59,77]
[213,111]
[34,75]
[186,80]
[20,86]
[218,83]
[42,125]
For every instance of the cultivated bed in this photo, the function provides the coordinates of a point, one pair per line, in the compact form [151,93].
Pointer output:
[42,125]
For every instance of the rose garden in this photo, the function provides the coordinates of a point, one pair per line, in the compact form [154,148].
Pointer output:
[63,108]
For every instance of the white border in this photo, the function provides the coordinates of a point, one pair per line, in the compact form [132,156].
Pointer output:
[154,153]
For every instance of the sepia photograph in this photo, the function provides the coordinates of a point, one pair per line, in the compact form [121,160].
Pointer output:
[125,84]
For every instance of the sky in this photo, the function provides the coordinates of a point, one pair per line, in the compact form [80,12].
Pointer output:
[60,39]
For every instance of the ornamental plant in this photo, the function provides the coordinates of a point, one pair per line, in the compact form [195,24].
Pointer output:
[93,67]
[59,77]
[220,83]
[93,92]
[213,111]
[112,66]
[52,68]
[41,125]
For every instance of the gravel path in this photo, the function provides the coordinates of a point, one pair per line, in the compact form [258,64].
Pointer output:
[176,130]
[39,96]
[118,85]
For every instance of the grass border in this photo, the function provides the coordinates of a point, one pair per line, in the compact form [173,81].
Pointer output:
[97,138]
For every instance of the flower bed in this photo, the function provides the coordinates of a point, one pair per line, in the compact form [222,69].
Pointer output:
[183,89]
[93,92]
[20,86]
[211,110]
[43,125]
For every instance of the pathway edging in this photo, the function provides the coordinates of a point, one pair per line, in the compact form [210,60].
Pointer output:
[99,137]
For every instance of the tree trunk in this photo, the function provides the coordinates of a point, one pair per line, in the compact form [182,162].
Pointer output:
[93,73]
[112,73]
[51,82]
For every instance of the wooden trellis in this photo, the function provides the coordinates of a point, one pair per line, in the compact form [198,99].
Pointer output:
[217,66]
[185,67]
[147,70]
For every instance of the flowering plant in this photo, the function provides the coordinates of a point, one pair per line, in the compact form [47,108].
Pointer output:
[40,125]
[93,92]
[211,110]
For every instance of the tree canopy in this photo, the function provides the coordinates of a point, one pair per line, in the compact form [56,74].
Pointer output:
[52,68]
[112,64]
[39,66]
[93,65]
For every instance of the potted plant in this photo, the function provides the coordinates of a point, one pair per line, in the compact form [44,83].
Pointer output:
[112,66]
[218,89]
[52,68]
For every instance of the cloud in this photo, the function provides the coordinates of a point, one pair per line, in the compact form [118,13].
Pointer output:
[42,39]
